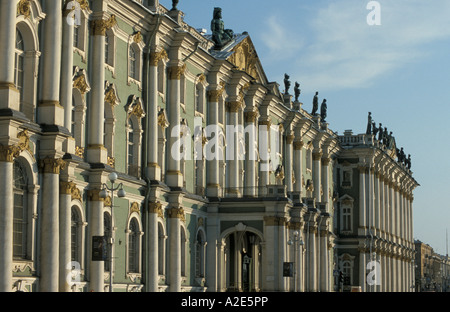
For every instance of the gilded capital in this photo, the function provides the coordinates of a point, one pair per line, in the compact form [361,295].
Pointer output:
[9,152]
[94,195]
[290,138]
[234,106]
[100,26]
[317,156]
[156,57]
[250,116]
[52,165]
[177,213]
[155,207]
[298,145]
[66,188]
[175,72]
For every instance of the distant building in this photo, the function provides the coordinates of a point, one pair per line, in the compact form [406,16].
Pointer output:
[90,88]
[432,271]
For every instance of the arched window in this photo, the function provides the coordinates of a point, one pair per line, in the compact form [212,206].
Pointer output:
[132,165]
[200,255]
[183,252]
[20,216]
[161,250]
[75,234]
[107,226]
[132,58]
[19,63]
[133,247]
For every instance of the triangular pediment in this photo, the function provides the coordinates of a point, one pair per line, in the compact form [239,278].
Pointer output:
[245,58]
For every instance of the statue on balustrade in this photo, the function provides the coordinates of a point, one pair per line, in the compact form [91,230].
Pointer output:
[287,84]
[220,35]
[374,130]
[381,133]
[408,162]
[297,91]
[369,123]
[315,104]
[323,110]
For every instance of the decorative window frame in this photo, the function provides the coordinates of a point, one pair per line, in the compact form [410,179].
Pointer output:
[347,258]
[200,255]
[28,26]
[29,164]
[110,64]
[346,201]
[134,216]
[162,241]
[81,239]
[83,34]
[200,87]
[135,42]
[135,114]
[111,101]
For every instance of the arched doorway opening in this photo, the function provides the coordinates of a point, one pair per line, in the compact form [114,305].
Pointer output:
[242,260]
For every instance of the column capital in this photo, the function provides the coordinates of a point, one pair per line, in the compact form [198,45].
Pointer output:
[251,116]
[176,71]
[65,188]
[298,145]
[266,123]
[177,213]
[234,106]
[9,152]
[52,165]
[317,155]
[156,57]
[215,94]
[100,26]
[274,221]
[326,161]
[290,138]
[156,207]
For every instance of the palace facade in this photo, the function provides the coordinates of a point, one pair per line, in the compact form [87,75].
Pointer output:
[224,182]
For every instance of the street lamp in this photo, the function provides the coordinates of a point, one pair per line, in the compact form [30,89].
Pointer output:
[104,194]
[296,242]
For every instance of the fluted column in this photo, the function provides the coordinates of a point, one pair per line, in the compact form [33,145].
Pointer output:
[65,257]
[362,198]
[317,156]
[96,151]
[289,163]
[264,165]
[233,149]
[298,146]
[49,262]
[324,267]
[174,176]
[9,94]
[6,213]
[67,65]
[96,224]
[251,185]
[362,268]
[154,210]
[50,111]
[312,261]
[153,168]
[175,216]
[326,182]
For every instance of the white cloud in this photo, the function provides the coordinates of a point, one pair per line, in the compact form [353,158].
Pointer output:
[343,51]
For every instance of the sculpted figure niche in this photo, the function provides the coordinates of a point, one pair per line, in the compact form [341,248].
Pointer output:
[220,35]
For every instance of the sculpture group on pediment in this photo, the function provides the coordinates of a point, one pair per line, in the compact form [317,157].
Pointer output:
[220,35]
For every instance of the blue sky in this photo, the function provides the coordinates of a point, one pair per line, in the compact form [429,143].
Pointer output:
[399,71]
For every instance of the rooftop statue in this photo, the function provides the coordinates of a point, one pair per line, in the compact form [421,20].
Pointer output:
[408,162]
[220,35]
[369,123]
[174,4]
[297,91]
[287,84]
[315,104]
[323,110]
[374,129]
[381,133]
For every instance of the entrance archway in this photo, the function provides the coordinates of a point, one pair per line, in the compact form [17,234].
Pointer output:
[242,257]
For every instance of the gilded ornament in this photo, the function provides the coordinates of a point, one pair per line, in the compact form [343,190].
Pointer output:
[24,8]
[155,57]
[52,165]
[99,27]
[135,207]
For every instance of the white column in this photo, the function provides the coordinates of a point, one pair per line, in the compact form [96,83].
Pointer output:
[362,198]
[175,250]
[50,111]
[233,150]
[324,265]
[96,268]
[325,182]
[264,128]
[251,185]
[317,156]
[67,68]
[312,268]
[362,269]
[6,220]
[9,95]
[212,177]
[174,177]
[214,250]
[96,151]
[153,251]
[289,163]
[298,146]
[153,168]
[49,251]
[65,197]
